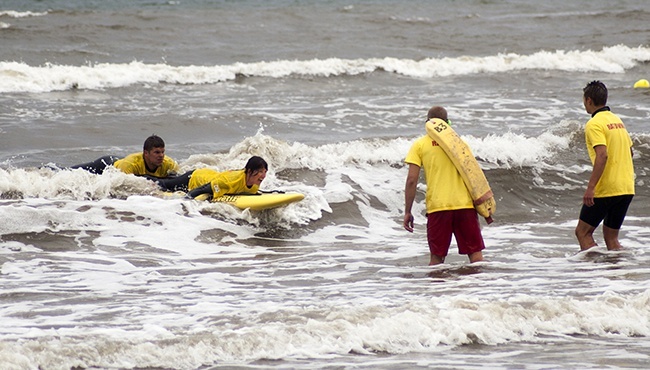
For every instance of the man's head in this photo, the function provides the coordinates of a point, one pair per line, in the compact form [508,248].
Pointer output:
[153,152]
[594,96]
[255,169]
[153,141]
[437,112]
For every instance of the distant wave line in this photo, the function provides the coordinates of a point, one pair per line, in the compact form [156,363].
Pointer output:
[17,14]
[20,77]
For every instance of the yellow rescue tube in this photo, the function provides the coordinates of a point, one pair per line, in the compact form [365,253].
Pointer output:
[461,155]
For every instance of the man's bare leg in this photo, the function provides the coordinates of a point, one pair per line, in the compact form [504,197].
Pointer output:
[585,235]
[436,260]
[611,238]
[475,257]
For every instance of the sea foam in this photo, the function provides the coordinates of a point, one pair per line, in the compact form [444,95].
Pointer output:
[20,77]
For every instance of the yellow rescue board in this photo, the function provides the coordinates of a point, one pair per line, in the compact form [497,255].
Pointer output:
[258,202]
[461,155]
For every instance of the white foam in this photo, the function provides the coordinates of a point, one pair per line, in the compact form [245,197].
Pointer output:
[20,77]
[17,14]
[301,332]
[517,150]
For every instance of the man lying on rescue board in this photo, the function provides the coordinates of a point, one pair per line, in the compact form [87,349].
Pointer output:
[215,183]
[151,162]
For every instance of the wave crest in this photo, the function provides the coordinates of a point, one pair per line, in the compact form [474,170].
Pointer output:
[20,77]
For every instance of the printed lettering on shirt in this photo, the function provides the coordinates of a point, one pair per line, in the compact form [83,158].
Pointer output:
[615,126]
[434,143]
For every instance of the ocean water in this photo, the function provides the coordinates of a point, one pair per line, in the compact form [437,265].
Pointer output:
[102,272]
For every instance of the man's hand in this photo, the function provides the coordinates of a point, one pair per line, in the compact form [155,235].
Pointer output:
[408,222]
[596,174]
[588,198]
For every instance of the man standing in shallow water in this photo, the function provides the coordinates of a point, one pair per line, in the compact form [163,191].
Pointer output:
[450,208]
[611,186]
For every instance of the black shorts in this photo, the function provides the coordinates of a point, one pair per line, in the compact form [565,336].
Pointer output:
[610,209]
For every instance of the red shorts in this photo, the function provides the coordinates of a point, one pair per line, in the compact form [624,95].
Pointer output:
[463,223]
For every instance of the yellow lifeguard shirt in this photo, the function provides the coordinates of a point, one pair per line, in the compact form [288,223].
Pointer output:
[134,164]
[445,187]
[228,182]
[605,128]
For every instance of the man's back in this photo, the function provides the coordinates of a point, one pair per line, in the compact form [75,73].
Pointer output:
[605,128]
[445,187]
[135,164]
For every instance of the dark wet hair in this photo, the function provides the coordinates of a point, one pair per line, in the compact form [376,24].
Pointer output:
[153,141]
[256,163]
[437,112]
[597,92]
